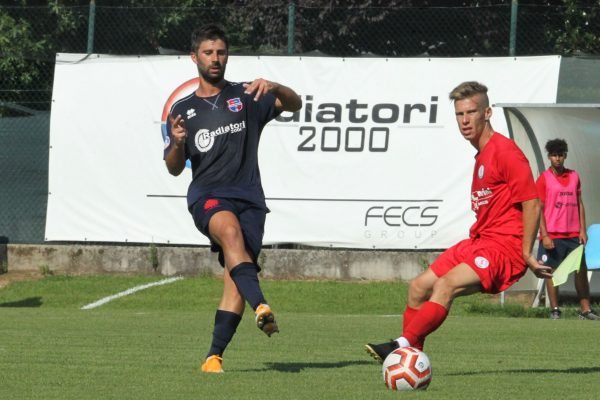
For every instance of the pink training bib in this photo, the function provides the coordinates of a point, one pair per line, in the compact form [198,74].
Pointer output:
[561,210]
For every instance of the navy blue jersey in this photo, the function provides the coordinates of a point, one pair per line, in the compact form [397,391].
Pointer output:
[223,133]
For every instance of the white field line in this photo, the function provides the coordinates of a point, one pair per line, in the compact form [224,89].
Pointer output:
[129,291]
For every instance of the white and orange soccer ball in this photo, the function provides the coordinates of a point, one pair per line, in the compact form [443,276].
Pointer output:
[406,368]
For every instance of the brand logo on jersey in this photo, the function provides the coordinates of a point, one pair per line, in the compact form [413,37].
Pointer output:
[482,262]
[544,258]
[190,113]
[235,104]
[210,203]
[480,171]
[204,139]
[480,197]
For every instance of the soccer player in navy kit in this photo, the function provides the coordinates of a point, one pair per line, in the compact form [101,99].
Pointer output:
[218,128]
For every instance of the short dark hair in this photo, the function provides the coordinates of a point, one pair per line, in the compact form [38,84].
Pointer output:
[557,146]
[207,32]
[470,89]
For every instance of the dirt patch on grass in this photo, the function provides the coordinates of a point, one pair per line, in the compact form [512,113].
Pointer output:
[522,298]
[17,276]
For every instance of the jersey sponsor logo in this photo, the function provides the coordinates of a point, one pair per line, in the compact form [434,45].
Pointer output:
[235,104]
[480,198]
[481,262]
[560,204]
[210,203]
[204,139]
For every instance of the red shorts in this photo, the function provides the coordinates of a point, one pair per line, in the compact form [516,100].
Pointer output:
[494,262]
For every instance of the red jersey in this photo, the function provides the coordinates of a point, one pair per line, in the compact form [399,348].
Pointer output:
[502,179]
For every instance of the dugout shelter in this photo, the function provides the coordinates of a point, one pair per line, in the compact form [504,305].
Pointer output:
[531,126]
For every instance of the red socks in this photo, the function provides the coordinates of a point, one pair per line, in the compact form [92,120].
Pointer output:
[419,323]
[409,313]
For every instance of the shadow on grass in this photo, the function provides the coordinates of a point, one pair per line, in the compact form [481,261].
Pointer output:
[296,367]
[578,370]
[30,302]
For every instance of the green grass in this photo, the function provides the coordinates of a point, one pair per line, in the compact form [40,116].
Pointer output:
[149,345]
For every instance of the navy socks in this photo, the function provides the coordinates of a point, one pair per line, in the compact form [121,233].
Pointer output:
[226,323]
[245,277]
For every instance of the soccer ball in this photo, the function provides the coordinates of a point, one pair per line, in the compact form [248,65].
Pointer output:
[406,368]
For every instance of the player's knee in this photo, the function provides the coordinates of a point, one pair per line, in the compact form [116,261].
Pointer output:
[229,235]
[444,289]
[418,291]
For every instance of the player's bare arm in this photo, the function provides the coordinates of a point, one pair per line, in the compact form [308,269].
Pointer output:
[286,98]
[531,218]
[583,238]
[547,241]
[175,158]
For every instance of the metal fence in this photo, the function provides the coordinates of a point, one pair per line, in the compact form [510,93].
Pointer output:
[31,36]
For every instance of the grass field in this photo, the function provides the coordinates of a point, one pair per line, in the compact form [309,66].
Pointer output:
[149,345]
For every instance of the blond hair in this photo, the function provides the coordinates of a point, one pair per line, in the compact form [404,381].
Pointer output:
[469,89]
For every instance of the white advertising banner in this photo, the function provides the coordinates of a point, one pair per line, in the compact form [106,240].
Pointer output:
[373,160]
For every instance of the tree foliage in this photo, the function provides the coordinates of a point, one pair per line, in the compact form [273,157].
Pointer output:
[579,33]
[33,31]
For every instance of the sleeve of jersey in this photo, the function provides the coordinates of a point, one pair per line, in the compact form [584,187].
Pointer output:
[517,173]
[266,109]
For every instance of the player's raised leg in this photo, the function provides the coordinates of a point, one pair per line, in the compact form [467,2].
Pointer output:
[225,229]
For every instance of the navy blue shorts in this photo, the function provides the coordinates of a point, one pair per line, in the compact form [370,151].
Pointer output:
[562,248]
[251,218]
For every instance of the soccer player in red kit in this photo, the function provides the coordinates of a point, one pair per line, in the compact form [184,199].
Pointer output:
[498,250]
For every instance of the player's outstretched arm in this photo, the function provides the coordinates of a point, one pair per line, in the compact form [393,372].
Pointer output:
[285,98]
[175,158]
[531,219]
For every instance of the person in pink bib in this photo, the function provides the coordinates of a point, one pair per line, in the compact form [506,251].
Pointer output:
[562,224]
